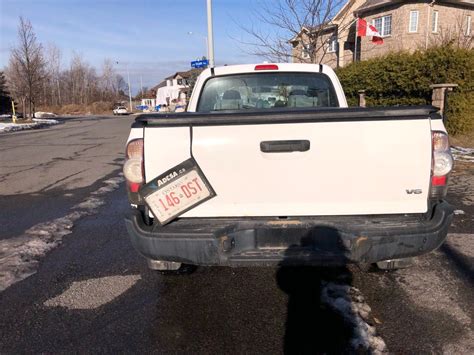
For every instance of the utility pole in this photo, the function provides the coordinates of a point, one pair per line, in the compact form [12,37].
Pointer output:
[129,87]
[141,87]
[356,39]
[129,90]
[210,38]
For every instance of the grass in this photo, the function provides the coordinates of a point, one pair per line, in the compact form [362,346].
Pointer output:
[464,140]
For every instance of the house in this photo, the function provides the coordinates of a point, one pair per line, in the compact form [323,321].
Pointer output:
[404,25]
[175,86]
[331,43]
[148,104]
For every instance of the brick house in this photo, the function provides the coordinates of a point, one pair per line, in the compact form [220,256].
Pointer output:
[404,25]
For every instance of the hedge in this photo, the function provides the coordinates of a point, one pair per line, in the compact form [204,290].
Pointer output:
[404,79]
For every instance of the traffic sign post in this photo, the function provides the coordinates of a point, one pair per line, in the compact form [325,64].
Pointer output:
[14,113]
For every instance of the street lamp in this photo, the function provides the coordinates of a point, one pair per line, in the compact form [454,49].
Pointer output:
[209,39]
[129,87]
[210,34]
[205,41]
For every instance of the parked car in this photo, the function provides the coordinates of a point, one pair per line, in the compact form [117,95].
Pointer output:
[270,167]
[120,110]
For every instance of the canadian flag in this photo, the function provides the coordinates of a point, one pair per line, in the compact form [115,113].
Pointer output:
[366,30]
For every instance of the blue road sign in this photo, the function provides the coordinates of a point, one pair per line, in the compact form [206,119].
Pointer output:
[200,63]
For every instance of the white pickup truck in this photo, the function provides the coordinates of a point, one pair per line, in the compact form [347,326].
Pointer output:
[269,166]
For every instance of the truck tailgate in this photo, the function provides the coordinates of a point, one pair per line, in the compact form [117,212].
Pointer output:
[341,162]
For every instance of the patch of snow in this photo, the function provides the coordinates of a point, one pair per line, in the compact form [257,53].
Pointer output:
[459,212]
[350,304]
[463,154]
[12,127]
[90,203]
[37,123]
[45,115]
[93,293]
[112,184]
[44,120]
[19,257]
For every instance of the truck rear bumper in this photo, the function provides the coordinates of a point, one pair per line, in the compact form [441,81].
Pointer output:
[322,241]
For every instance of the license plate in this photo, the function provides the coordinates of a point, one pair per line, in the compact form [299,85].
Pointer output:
[177,191]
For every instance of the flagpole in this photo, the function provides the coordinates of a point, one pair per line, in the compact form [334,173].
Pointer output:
[356,37]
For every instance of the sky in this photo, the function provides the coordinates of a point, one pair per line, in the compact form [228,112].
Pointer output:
[150,37]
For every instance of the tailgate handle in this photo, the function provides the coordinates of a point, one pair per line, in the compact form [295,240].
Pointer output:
[284,146]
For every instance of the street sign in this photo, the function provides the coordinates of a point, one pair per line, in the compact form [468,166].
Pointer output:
[200,63]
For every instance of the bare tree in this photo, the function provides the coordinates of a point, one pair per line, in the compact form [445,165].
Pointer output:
[53,55]
[81,85]
[15,83]
[142,93]
[26,69]
[33,80]
[110,81]
[82,81]
[456,34]
[122,86]
[284,20]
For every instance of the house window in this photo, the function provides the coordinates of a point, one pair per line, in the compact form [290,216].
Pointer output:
[305,51]
[434,22]
[383,25]
[468,25]
[413,27]
[332,44]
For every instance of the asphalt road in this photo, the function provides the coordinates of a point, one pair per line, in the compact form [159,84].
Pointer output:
[92,293]
[43,172]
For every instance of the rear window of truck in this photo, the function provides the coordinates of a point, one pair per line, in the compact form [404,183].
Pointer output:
[266,91]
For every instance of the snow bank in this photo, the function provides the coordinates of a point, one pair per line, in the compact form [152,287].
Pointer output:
[46,121]
[20,256]
[463,154]
[45,115]
[37,123]
[350,304]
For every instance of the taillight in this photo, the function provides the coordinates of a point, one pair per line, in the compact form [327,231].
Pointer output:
[266,67]
[133,167]
[442,164]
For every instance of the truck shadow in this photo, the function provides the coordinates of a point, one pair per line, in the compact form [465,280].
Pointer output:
[311,325]
[464,265]
[263,309]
